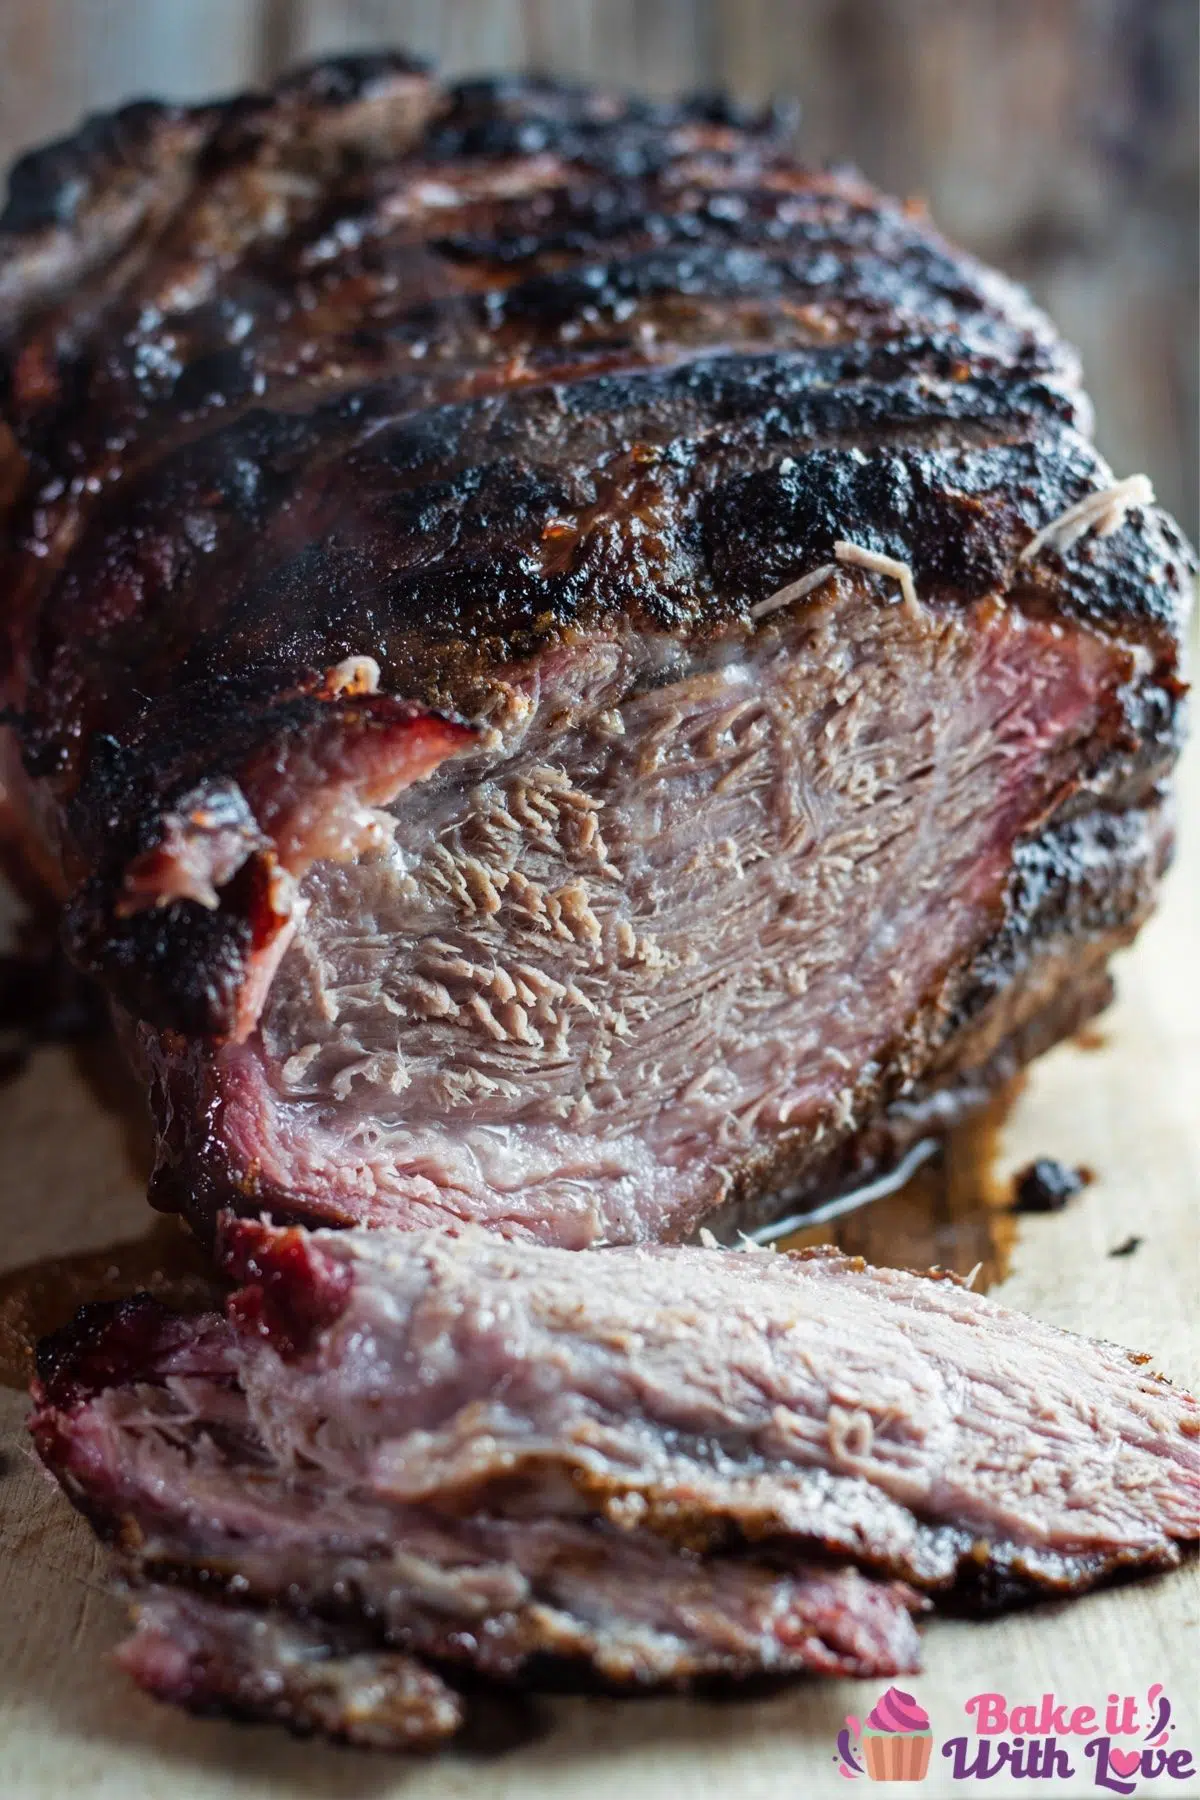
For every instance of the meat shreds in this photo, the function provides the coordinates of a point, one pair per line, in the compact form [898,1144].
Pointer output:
[570,671]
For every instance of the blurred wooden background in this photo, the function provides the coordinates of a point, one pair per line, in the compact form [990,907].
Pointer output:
[1058,138]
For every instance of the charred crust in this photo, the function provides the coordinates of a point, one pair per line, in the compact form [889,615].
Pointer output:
[335,81]
[183,966]
[75,204]
[49,186]
[181,959]
[987,1585]
[185,1100]
[107,1344]
[609,133]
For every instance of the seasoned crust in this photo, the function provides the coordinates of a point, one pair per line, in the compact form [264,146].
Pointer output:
[107,190]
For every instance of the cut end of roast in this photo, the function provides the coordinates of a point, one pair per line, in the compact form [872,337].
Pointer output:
[735,939]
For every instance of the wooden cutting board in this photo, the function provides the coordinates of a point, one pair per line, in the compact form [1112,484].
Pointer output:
[71,1183]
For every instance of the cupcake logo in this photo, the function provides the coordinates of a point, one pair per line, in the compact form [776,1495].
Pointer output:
[893,1745]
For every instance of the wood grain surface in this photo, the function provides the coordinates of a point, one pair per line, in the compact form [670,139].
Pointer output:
[71,1170]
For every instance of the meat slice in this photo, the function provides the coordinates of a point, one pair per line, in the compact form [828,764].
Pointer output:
[522,1598]
[898,1419]
[571,672]
[654,1463]
[212,1657]
[294,1583]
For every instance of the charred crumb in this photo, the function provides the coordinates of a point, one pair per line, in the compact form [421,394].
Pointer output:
[1127,1246]
[500,1717]
[1045,1186]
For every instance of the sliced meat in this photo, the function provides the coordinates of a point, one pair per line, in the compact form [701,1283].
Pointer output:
[895,1418]
[444,1400]
[571,672]
[143,1418]
[212,1657]
[516,1598]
